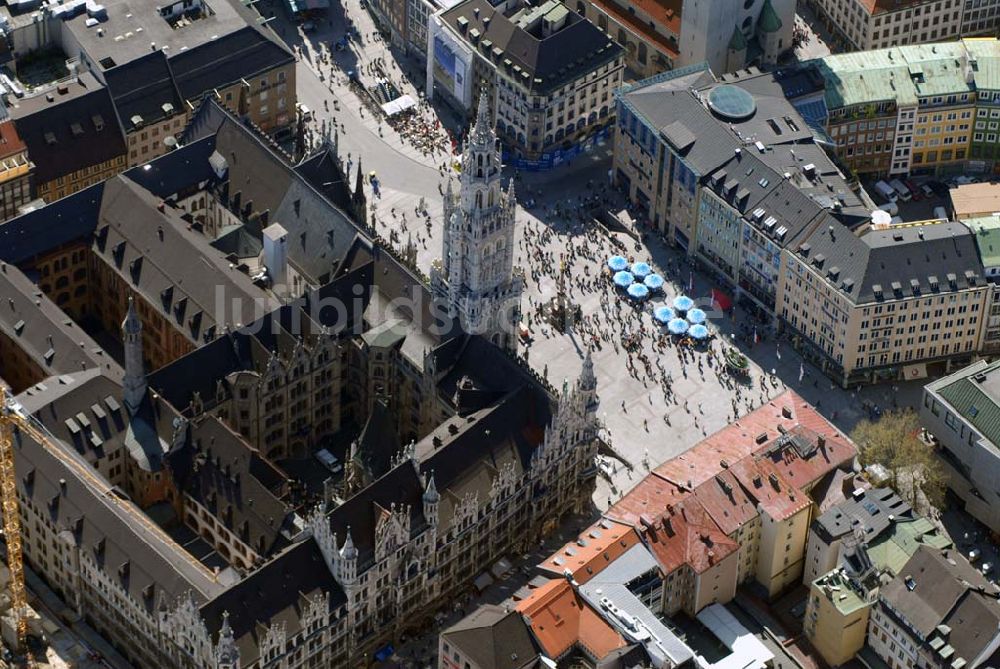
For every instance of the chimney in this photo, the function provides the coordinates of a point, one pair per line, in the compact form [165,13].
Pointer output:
[276,254]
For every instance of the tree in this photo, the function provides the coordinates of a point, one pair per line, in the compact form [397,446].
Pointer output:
[894,442]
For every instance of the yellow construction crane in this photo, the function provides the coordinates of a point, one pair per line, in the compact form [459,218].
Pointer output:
[12,416]
[12,517]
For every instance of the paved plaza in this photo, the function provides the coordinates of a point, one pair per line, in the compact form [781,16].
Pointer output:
[647,416]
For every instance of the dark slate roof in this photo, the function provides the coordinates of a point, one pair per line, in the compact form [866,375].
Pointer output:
[153,569]
[173,267]
[378,442]
[465,454]
[201,370]
[561,57]
[44,332]
[90,416]
[867,509]
[493,638]
[142,87]
[676,107]
[234,482]
[239,243]
[37,232]
[934,588]
[400,486]
[899,255]
[277,592]
[76,130]
[324,174]
[319,234]
[663,105]
[218,63]
[491,372]
[177,172]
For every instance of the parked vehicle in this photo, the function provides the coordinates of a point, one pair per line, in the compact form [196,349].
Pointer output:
[305,112]
[914,190]
[941,213]
[901,190]
[974,555]
[986,568]
[927,190]
[886,191]
[890,207]
[329,460]
[940,188]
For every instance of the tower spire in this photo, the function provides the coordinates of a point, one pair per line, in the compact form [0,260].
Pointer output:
[134,382]
[484,126]
[227,655]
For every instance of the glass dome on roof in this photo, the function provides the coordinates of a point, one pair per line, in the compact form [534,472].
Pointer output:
[731,102]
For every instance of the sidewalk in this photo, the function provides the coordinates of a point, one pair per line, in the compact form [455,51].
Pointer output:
[361,52]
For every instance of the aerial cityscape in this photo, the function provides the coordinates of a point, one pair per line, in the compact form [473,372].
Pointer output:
[500,334]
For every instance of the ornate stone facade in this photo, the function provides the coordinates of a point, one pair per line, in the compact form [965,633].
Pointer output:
[475,275]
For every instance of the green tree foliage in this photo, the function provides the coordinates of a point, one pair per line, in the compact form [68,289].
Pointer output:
[894,442]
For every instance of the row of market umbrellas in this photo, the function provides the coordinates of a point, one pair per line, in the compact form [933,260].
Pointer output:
[693,325]
[625,279]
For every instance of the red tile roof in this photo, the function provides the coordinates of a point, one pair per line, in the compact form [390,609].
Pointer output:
[688,536]
[798,444]
[10,142]
[650,497]
[560,619]
[773,493]
[726,501]
[665,12]
[595,549]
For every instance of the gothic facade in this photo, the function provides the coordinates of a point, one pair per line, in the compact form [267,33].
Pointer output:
[192,541]
[475,275]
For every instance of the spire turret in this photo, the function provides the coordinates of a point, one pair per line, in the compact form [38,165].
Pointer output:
[227,655]
[348,551]
[134,382]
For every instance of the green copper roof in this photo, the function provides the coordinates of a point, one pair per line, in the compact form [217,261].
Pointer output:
[968,398]
[892,550]
[987,231]
[737,42]
[768,20]
[906,73]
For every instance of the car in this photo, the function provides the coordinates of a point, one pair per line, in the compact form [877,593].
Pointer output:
[308,26]
[974,554]
[927,190]
[916,192]
[940,189]
[986,568]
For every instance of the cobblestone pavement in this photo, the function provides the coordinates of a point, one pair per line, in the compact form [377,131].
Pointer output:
[642,422]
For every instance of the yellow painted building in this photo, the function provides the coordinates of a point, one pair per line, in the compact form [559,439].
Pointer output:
[942,135]
[836,619]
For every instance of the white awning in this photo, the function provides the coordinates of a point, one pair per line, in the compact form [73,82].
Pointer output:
[400,104]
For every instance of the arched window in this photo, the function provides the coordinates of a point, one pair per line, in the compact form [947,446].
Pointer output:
[479,200]
[491,198]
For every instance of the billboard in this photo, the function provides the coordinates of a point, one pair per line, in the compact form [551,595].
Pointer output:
[450,66]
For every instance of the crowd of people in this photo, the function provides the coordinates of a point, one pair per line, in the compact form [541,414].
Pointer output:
[567,240]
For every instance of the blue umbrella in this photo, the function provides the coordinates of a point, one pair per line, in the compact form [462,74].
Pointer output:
[677,326]
[623,279]
[696,316]
[638,291]
[641,269]
[617,263]
[683,303]
[664,314]
[698,331]
[654,282]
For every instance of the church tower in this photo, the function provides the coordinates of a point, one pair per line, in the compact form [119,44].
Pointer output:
[134,383]
[475,275]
